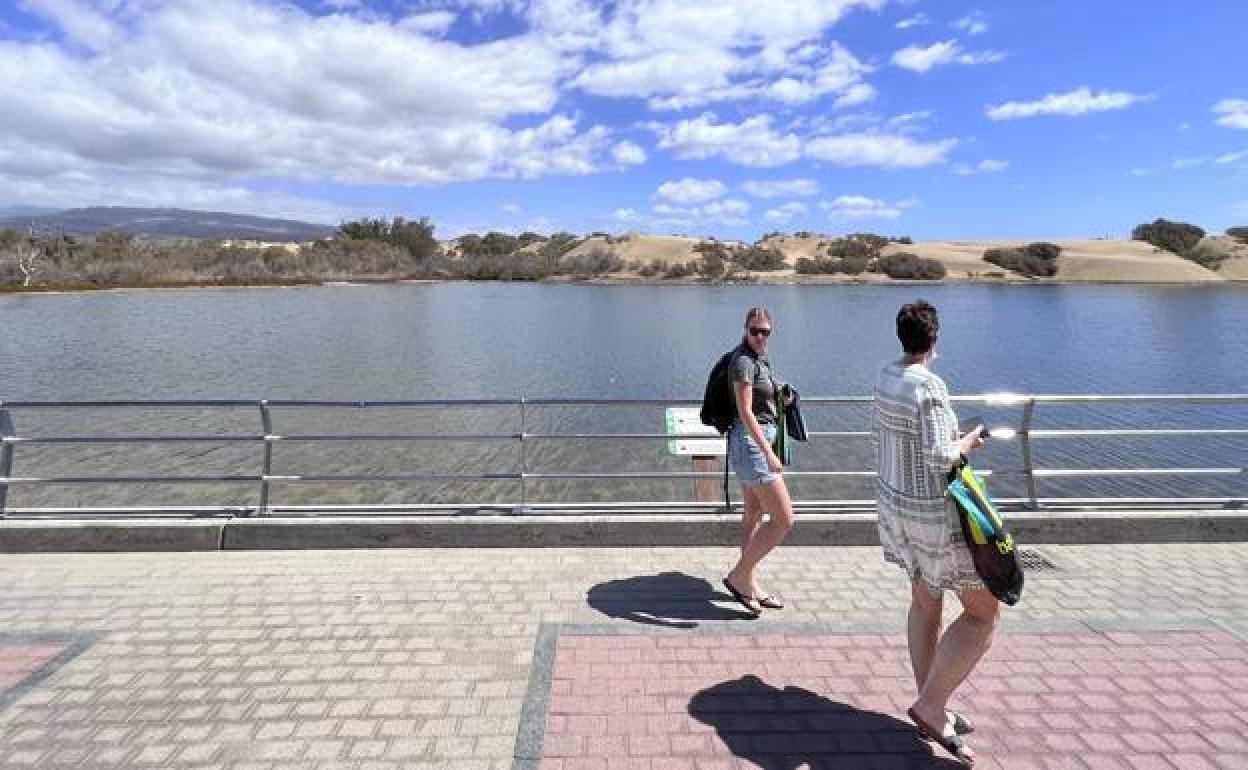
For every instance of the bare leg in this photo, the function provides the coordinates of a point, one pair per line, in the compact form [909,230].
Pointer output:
[775,500]
[752,519]
[923,626]
[959,649]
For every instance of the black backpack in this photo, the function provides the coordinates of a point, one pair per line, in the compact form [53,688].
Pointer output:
[719,406]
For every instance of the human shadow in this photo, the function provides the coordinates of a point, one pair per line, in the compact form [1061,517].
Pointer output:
[790,727]
[669,599]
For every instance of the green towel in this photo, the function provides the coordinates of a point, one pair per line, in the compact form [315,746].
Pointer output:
[781,444]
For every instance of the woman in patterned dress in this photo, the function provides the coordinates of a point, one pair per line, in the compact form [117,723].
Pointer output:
[917,443]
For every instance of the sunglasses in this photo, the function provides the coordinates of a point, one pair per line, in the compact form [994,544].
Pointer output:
[755,330]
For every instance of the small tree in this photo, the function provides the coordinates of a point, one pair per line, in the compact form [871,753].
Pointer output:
[1177,237]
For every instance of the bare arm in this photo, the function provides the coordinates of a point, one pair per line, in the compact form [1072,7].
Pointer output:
[942,447]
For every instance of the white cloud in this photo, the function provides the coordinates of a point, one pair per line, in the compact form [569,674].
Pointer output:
[972,25]
[689,190]
[889,151]
[235,90]
[749,143]
[780,188]
[1178,164]
[678,54]
[79,23]
[731,208]
[626,216]
[983,167]
[511,208]
[1232,113]
[854,207]
[1077,102]
[840,73]
[1232,157]
[434,22]
[731,211]
[921,59]
[786,212]
[917,20]
[628,153]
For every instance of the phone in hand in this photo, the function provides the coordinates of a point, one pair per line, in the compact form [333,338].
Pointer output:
[969,424]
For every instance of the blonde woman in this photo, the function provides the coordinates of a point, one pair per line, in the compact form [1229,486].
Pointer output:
[758,470]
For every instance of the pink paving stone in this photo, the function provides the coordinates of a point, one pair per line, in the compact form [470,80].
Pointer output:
[1140,700]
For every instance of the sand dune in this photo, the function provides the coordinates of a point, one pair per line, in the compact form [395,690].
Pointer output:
[1235,268]
[1081,260]
[1092,261]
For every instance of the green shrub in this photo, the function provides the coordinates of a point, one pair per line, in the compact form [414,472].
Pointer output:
[1043,250]
[1208,257]
[759,258]
[416,238]
[906,266]
[1238,233]
[1035,260]
[1177,237]
[877,242]
[853,247]
[680,269]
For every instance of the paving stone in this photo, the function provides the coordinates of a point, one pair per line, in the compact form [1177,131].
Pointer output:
[279,659]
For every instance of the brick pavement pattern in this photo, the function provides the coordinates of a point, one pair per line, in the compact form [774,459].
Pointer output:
[386,659]
[1118,700]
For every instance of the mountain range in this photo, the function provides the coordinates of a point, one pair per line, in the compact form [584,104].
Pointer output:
[161,223]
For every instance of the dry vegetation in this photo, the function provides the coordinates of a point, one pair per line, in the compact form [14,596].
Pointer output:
[385,250]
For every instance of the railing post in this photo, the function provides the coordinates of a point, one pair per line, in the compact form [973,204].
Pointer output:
[1029,411]
[6,456]
[266,422]
[524,463]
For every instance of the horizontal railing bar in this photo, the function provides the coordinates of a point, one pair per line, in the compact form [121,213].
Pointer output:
[203,439]
[641,507]
[1050,472]
[1003,399]
[369,437]
[1143,433]
[1103,472]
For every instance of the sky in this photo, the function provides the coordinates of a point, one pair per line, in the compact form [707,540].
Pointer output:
[937,119]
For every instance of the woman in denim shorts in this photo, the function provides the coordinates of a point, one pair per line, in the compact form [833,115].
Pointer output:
[758,469]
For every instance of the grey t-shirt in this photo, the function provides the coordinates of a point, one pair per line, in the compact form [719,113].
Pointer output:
[756,371]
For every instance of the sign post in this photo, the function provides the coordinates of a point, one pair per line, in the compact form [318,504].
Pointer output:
[684,421]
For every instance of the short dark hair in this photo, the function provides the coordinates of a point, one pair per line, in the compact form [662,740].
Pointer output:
[917,326]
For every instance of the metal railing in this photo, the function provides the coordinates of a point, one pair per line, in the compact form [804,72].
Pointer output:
[1025,434]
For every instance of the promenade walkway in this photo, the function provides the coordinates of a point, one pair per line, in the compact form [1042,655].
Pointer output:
[1121,656]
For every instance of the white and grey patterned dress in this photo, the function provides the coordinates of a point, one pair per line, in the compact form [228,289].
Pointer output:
[915,434]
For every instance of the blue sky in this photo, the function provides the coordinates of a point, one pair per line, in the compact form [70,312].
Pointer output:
[934,119]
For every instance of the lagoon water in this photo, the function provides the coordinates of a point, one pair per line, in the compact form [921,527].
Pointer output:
[492,340]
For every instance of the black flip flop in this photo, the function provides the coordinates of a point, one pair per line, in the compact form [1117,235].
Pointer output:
[961,725]
[770,602]
[746,601]
[950,743]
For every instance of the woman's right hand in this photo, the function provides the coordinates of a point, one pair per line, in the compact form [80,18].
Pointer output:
[774,464]
[971,440]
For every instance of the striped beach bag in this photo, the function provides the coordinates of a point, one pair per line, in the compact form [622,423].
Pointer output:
[992,547]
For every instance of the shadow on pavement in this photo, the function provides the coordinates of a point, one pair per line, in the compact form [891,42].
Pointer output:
[669,599]
[789,728]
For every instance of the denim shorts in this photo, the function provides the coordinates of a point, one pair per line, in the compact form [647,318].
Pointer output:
[748,461]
